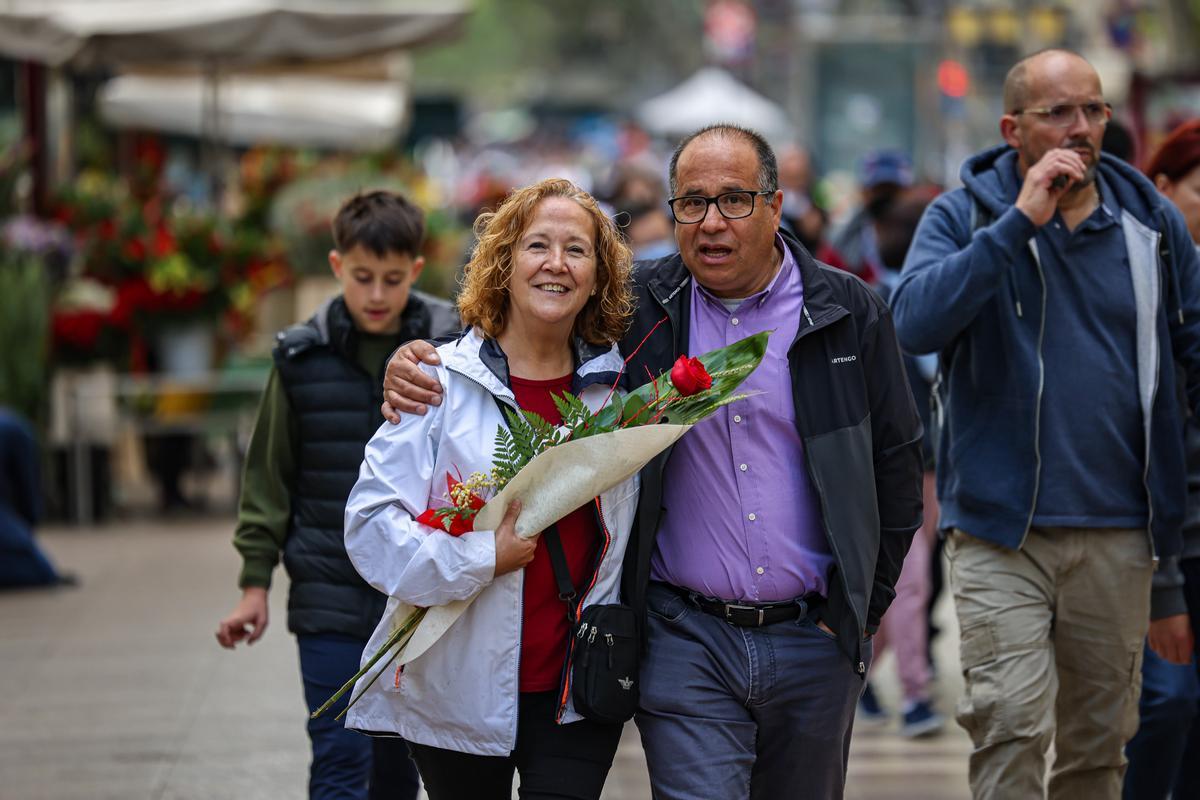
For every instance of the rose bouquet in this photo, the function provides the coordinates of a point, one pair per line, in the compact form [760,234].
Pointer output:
[556,469]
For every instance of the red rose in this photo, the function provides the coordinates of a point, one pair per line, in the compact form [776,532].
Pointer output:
[690,376]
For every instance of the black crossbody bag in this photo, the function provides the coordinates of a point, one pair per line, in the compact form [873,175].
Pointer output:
[604,641]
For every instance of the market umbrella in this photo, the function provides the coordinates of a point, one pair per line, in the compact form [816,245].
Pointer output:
[218,36]
[88,33]
[299,110]
[711,96]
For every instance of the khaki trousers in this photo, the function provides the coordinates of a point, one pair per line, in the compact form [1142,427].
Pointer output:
[1051,652]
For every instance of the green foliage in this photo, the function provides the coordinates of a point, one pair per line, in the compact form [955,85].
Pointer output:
[24,327]
[573,411]
[586,51]
[527,435]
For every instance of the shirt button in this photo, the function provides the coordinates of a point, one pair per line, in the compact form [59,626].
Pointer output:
[743,467]
[734,321]
[760,570]
[751,517]
[737,417]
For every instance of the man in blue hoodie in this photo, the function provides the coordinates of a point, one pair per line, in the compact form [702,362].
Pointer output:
[1060,291]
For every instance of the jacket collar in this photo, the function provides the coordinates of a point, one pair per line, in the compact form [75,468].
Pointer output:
[820,304]
[335,326]
[671,277]
[482,360]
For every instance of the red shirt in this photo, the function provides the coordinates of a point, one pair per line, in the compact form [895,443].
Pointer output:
[544,628]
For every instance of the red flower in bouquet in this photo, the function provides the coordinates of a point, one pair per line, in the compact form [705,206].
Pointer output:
[458,518]
[689,376]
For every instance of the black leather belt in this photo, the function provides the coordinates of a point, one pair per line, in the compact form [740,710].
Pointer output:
[750,615]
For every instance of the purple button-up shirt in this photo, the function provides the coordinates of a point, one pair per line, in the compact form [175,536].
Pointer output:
[742,520]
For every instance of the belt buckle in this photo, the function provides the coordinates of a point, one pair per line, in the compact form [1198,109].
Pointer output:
[736,607]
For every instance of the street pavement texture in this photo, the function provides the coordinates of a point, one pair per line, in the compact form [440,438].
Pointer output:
[117,688]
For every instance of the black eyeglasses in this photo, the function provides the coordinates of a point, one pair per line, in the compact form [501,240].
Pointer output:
[1065,114]
[689,209]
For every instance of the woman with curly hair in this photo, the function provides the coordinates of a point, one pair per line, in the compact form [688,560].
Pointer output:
[545,297]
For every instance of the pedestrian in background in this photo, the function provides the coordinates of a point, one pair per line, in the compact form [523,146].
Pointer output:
[883,175]
[319,409]
[1056,285]
[1164,757]
[22,562]
[904,628]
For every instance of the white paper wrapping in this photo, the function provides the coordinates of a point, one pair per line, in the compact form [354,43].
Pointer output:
[553,484]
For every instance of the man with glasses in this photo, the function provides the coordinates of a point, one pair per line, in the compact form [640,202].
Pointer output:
[769,539]
[1058,288]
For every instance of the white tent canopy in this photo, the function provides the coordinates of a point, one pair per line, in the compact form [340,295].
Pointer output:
[85,33]
[712,96]
[301,110]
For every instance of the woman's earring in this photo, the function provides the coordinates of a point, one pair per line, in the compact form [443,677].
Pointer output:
[593,291]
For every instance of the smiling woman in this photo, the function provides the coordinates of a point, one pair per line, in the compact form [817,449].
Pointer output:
[520,230]
[546,295]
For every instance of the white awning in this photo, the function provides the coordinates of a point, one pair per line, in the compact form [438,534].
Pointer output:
[713,96]
[85,33]
[301,110]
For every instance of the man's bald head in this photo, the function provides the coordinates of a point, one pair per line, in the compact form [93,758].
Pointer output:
[1022,82]
[768,167]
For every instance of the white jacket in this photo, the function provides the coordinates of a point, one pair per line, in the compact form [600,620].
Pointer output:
[462,693]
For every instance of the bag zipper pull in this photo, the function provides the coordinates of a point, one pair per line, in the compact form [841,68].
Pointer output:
[587,651]
[608,638]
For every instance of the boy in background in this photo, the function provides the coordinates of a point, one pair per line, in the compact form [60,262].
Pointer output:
[319,409]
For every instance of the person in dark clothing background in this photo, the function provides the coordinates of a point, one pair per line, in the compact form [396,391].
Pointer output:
[22,562]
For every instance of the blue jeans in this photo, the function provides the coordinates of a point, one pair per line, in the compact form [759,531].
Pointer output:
[347,765]
[739,713]
[1164,756]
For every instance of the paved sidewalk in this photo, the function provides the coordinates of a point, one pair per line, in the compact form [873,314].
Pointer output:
[117,689]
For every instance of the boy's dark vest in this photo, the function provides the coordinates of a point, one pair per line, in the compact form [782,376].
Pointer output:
[336,407]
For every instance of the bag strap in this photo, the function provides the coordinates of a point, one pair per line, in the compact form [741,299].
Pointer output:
[562,574]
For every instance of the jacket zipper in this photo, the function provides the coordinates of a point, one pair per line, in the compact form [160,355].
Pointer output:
[1016,298]
[566,682]
[1148,422]
[1037,410]
[521,588]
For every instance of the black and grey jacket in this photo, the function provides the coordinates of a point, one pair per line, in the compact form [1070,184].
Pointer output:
[336,405]
[854,412]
